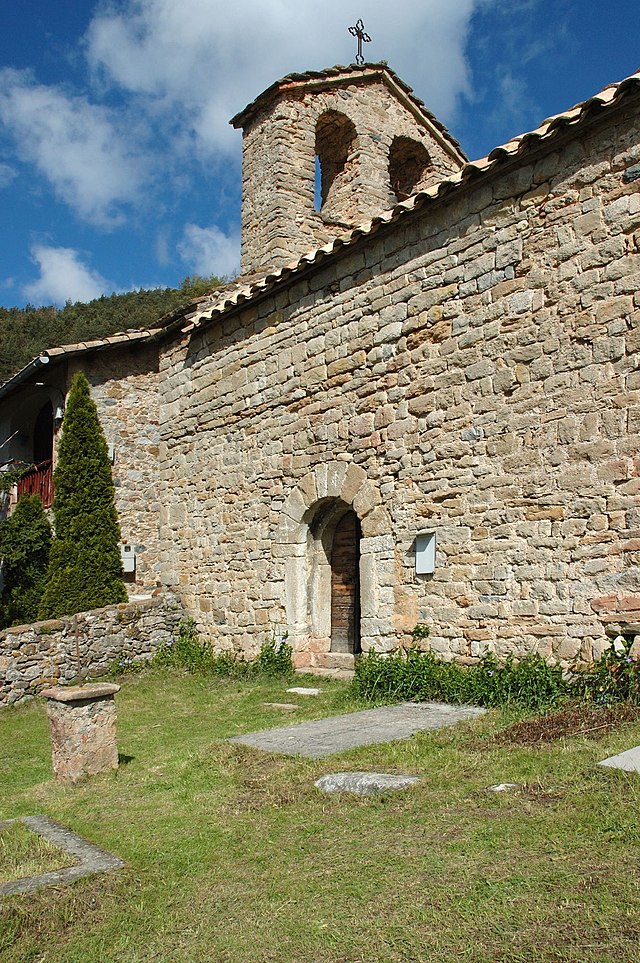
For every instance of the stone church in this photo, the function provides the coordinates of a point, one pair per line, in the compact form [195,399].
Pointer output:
[419,405]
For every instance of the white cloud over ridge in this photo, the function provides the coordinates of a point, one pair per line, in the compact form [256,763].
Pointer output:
[208,250]
[63,277]
[73,143]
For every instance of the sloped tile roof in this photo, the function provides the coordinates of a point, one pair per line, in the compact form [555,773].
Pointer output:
[356,71]
[608,98]
[246,289]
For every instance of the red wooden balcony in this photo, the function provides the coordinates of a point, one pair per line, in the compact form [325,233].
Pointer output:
[38,481]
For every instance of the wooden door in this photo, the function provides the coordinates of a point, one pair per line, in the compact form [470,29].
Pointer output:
[345,585]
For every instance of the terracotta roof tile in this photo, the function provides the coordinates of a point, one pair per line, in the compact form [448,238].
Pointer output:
[364,70]
[244,289]
[610,96]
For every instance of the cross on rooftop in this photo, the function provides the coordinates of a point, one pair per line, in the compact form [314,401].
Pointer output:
[359,32]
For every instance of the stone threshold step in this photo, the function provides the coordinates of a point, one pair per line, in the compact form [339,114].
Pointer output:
[327,673]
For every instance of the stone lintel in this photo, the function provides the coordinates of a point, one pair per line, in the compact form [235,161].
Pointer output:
[81,693]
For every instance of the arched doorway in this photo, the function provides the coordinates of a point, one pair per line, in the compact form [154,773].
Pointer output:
[303,549]
[345,585]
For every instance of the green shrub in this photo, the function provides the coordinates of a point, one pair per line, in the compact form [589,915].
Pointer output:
[421,676]
[85,570]
[275,657]
[615,677]
[188,652]
[25,542]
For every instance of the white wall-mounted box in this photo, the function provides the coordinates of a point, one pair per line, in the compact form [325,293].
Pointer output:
[425,553]
[128,556]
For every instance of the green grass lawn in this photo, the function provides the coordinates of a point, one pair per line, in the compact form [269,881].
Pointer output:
[233,855]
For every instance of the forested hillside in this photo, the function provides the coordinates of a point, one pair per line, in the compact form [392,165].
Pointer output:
[25,332]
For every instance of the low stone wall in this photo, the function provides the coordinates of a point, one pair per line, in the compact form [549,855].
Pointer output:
[33,657]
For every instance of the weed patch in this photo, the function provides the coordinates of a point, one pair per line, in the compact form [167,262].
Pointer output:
[420,676]
[188,651]
[530,683]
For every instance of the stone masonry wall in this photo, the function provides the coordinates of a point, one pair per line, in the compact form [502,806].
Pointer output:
[33,657]
[124,385]
[279,223]
[477,367]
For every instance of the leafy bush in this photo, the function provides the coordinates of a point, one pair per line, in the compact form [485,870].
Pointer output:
[275,657]
[187,651]
[421,676]
[25,542]
[85,570]
[615,677]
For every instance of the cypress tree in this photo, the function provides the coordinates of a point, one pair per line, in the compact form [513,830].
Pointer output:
[25,541]
[85,570]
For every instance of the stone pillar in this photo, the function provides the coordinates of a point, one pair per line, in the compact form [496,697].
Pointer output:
[82,720]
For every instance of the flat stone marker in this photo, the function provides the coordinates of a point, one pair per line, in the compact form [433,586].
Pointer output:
[367,728]
[90,858]
[364,783]
[289,706]
[302,690]
[629,761]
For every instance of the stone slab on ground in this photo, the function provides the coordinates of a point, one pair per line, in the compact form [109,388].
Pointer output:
[323,737]
[90,858]
[629,761]
[304,690]
[364,783]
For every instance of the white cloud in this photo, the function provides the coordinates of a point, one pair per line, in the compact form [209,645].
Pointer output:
[73,143]
[208,250]
[63,277]
[206,61]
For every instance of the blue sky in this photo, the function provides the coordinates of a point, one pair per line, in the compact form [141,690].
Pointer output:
[118,168]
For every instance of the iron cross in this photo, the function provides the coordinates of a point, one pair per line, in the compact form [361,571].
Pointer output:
[359,32]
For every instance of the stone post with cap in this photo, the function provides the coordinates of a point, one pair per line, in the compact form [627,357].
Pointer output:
[82,721]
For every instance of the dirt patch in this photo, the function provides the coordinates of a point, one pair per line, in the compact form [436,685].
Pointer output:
[585,721]
[259,779]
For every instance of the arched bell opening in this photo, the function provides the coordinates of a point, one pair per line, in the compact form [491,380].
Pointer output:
[336,142]
[409,163]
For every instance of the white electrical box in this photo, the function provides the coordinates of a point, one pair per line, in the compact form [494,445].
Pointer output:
[425,553]
[128,556]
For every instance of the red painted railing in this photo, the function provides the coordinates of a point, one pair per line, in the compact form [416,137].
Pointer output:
[38,481]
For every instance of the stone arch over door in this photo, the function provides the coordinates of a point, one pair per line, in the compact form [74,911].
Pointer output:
[303,543]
